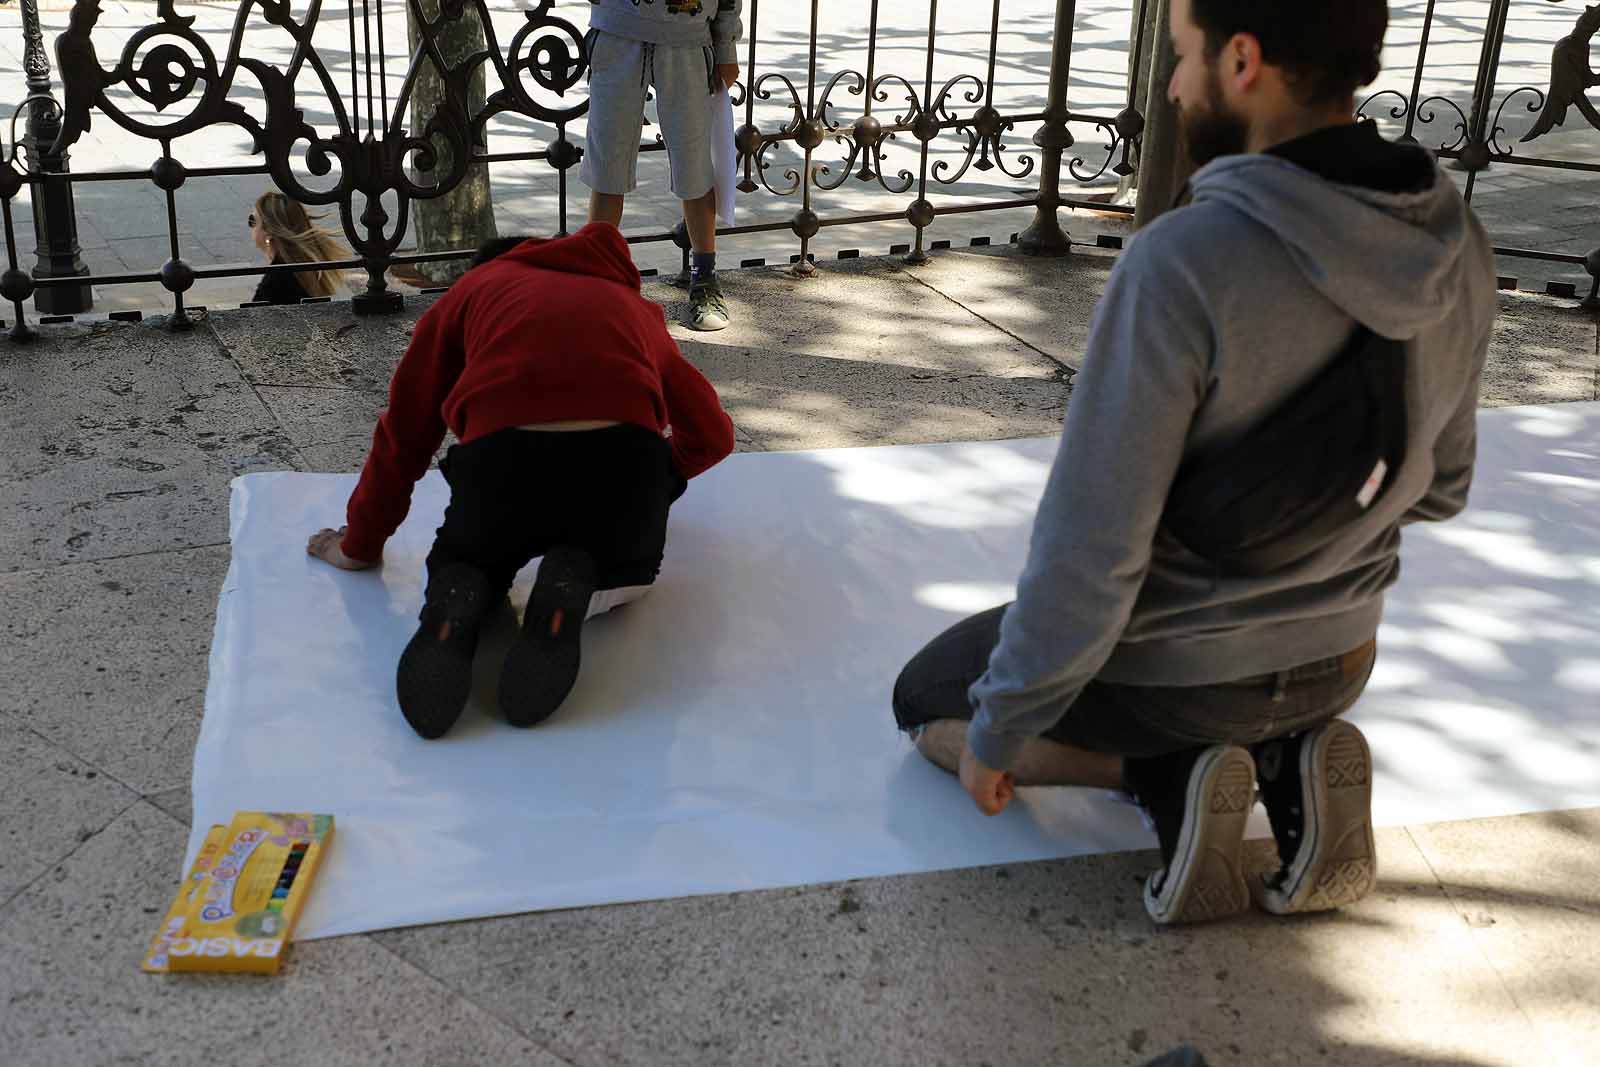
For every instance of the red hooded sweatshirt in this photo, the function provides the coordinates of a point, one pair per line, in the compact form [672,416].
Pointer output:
[553,330]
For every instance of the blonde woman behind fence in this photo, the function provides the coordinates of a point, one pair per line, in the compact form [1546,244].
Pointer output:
[286,234]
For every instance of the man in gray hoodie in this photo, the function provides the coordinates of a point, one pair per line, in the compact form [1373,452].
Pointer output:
[685,49]
[1128,661]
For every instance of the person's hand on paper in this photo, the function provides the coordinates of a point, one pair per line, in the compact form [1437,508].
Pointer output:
[324,545]
[990,789]
[727,74]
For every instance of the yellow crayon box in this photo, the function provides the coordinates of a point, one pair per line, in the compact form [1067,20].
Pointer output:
[236,909]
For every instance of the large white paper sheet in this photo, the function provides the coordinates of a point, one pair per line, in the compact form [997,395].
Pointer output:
[732,730]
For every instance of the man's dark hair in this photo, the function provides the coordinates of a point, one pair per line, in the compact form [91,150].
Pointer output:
[1327,48]
[497,247]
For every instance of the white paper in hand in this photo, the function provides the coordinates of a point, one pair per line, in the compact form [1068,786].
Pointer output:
[724,156]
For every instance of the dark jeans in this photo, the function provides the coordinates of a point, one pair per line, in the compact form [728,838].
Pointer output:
[516,494]
[1139,721]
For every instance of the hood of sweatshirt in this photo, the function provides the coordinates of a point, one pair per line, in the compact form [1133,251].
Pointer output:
[1393,261]
[598,250]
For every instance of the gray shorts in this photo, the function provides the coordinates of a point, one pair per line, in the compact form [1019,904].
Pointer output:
[620,70]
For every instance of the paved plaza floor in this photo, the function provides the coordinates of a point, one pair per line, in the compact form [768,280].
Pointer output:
[118,444]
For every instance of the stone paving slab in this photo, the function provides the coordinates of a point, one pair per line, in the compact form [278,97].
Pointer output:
[177,802]
[52,803]
[1536,931]
[121,440]
[321,415]
[107,660]
[868,310]
[344,456]
[317,345]
[785,401]
[1541,357]
[1043,302]
[1040,963]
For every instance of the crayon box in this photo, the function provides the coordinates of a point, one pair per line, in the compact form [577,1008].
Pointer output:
[237,907]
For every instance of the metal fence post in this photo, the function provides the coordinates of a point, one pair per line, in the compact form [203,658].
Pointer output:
[1044,235]
[1475,154]
[55,223]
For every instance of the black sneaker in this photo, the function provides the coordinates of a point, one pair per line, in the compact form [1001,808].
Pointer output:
[1199,800]
[708,308]
[1317,787]
[434,678]
[542,665]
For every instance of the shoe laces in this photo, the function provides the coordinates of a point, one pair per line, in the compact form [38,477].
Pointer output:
[707,296]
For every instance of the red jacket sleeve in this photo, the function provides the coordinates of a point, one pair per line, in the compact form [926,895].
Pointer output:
[702,433]
[408,433]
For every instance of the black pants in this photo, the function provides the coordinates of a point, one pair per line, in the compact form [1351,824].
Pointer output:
[516,494]
[1136,720]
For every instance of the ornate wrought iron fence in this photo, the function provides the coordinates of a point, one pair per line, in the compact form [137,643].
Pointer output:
[1474,140]
[541,69]
[378,153]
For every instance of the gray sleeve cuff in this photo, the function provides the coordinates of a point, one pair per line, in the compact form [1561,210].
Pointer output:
[725,51]
[994,750]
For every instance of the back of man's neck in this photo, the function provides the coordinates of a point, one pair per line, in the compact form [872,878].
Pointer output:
[1292,127]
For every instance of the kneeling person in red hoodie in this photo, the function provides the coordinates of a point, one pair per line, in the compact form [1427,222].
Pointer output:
[579,424]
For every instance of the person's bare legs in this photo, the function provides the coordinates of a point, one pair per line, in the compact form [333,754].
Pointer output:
[606,207]
[700,216]
[1042,762]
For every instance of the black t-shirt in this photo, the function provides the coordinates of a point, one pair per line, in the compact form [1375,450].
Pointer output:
[280,287]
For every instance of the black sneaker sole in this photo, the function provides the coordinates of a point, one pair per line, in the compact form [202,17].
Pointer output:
[1205,880]
[542,665]
[434,677]
[1337,861]
[433,682]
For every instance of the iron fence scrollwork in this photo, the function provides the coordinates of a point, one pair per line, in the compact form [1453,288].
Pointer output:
[373,151]
[1474,142]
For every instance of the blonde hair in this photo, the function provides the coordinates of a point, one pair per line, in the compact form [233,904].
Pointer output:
[297,239]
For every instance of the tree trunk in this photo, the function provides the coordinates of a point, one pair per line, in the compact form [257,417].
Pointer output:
[1163,165]
[1155,30]
[463,217]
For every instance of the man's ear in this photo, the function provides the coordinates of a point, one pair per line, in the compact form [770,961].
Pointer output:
[1241,61]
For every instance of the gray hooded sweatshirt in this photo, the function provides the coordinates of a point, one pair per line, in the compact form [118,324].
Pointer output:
[692,23]
[1212,318]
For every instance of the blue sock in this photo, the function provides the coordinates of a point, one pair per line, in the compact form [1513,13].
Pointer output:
[702,265]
